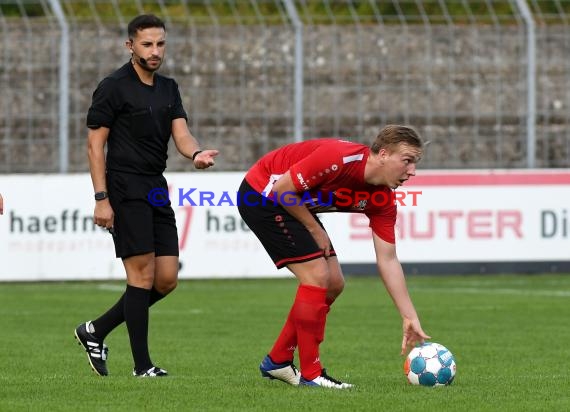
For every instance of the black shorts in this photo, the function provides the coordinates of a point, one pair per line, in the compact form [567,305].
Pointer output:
[284,238]
[141,227]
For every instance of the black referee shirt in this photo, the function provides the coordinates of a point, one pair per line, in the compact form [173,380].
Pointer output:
[139,117]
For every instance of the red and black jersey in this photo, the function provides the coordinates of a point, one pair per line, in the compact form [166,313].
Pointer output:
[329,176]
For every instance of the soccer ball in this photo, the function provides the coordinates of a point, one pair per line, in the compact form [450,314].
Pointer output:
[430,364]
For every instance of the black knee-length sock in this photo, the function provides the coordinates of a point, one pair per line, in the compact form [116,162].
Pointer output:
[109,320]
[136,317]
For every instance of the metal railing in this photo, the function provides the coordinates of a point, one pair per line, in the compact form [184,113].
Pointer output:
[485,81]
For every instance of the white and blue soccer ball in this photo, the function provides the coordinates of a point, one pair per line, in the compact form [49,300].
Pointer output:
[430,364]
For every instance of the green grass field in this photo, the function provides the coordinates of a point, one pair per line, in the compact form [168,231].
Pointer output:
[509,335]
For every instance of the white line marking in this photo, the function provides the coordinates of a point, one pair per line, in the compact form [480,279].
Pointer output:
[501,291]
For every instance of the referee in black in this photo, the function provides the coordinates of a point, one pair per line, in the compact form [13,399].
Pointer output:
[134,112]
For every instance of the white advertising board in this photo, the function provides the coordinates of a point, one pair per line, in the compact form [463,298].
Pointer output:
[482,216]
[46,232]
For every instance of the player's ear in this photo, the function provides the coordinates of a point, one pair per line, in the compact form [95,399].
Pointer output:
[382,155]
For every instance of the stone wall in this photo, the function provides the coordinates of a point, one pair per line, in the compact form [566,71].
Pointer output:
[463,88]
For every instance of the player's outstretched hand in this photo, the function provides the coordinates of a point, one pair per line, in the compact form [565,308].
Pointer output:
[413,334]
[205,159]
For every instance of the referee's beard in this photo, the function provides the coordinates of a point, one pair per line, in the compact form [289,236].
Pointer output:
[150,65]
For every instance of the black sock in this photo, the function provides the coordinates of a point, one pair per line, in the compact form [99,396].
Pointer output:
[155,296]
[136,317]
[108,321]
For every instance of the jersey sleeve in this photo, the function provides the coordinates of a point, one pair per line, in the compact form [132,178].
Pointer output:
[178,108]
[104,105]
[321,165]
[383,223]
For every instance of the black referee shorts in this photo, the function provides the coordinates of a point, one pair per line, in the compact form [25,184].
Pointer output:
[284,238]
[141,227]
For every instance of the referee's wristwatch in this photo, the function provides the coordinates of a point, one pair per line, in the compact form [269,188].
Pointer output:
[101,195]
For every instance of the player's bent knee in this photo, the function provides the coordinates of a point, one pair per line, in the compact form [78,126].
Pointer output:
[335,286]
[333,294]
[170,287]
[164,287]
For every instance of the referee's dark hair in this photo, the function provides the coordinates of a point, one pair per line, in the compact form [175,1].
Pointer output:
[144,21]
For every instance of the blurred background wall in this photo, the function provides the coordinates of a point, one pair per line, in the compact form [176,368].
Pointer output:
[458,71]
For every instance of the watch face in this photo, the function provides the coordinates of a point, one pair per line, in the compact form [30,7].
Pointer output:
[100,195]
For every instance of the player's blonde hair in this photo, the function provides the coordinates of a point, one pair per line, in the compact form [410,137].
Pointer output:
[392,135]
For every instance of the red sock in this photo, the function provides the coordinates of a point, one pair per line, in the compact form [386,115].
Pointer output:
[309,314]
[284,348]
